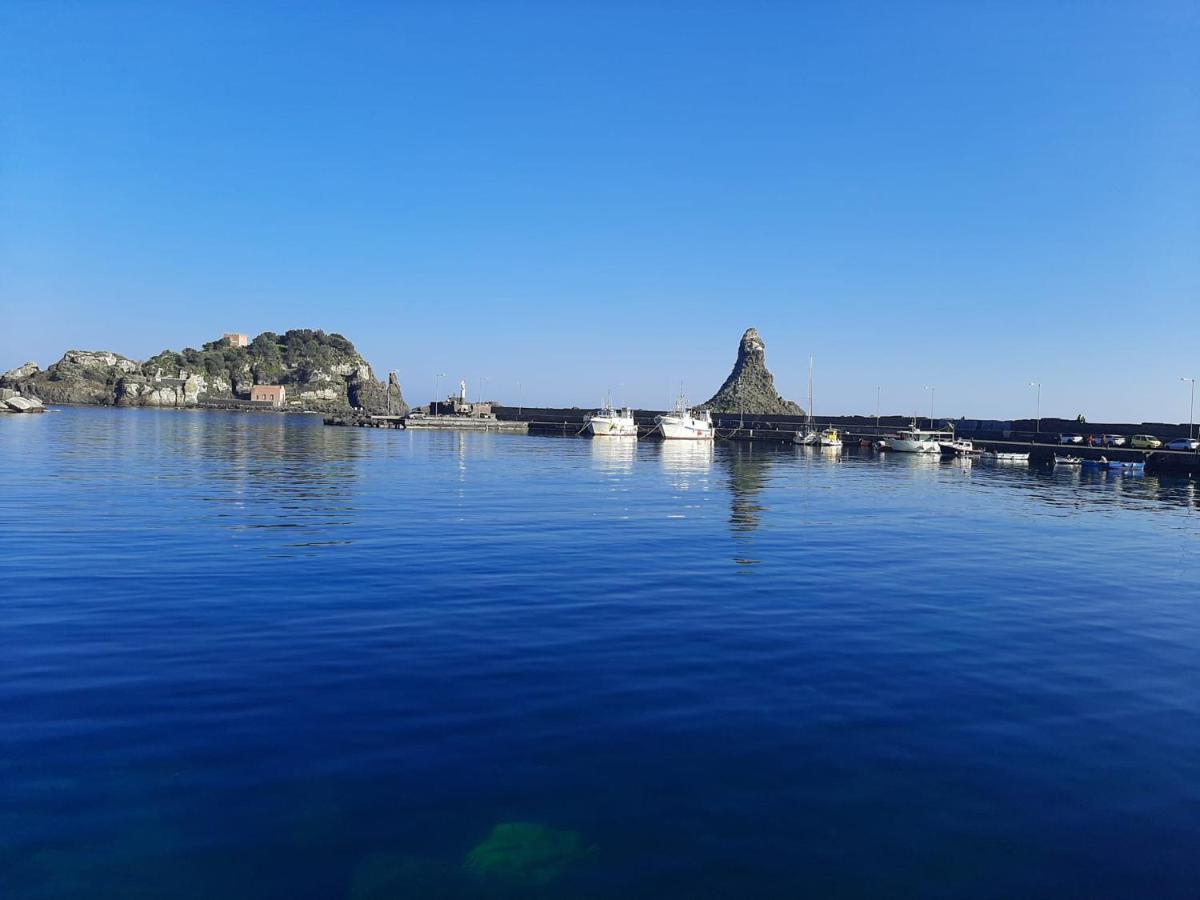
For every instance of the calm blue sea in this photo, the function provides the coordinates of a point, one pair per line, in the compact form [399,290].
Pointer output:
[250,656]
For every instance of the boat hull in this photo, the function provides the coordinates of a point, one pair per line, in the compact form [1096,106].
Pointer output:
[904,445]
[684,428]
[604,426]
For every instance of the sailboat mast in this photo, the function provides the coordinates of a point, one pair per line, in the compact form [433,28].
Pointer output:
[810,406]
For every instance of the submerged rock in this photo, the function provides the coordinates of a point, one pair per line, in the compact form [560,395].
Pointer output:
[750,387]
[526,854]
[391,876]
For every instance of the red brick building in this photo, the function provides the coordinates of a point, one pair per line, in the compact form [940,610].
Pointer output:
[268,393]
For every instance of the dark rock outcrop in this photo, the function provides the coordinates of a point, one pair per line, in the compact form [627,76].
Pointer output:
[318,371]
[750,387]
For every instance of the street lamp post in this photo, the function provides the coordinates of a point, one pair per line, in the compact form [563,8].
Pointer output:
[519,406]
[437,387]
[1038,385]
[877,389]
[1191,407]
[932,393]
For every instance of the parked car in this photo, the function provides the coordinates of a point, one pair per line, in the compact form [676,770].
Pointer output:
[1183,444]
[1113,440]
[1070,438]
[1145,442]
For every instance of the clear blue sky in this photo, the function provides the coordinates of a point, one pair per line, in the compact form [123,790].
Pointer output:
[578,196]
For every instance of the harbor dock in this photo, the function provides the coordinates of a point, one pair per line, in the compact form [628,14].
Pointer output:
[1020,437]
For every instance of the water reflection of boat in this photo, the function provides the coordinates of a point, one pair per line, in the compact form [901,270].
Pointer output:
[686,457]
[615,453]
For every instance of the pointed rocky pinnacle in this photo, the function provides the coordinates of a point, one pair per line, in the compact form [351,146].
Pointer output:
[750,387]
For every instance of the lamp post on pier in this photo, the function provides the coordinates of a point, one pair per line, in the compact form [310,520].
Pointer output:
[1038,385]
[1192,406]
[877,389]
[437,387]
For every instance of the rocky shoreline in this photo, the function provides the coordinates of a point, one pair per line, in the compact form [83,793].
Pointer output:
[12,401]
[310,371]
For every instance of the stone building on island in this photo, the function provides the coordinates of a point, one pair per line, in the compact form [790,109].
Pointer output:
[268,393]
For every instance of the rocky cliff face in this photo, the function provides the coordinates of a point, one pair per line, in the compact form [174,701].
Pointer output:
[750,387]
[318,371]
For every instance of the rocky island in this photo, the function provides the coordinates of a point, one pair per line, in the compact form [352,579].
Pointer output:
[301,369]
[750,387]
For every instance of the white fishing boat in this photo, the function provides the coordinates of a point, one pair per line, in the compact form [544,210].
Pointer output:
[918,440]
[808,436]
[611,422]
[1068,460]
[684,424]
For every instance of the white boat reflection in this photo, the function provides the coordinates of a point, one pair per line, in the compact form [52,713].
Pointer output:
[615,453]
[686,457]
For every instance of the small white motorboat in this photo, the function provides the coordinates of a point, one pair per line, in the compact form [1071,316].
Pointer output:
[995,456]
[1068,460]
[959,447]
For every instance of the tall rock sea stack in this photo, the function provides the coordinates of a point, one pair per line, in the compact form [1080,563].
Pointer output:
[750,387]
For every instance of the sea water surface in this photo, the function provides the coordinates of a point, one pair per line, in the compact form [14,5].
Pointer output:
[251,656]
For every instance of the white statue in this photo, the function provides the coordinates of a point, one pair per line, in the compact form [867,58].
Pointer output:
[462,391]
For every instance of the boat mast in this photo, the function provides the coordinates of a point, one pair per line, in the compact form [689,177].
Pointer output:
[810,407]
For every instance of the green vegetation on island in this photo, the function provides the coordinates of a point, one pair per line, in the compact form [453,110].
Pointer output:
[303,369]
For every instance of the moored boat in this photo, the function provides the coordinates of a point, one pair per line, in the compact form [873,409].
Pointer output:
[611,422]
[684,424]
[830,438]
[996,456]
[1068,460]
[958,447]
[1134,468]
[808,435]
[918,440]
